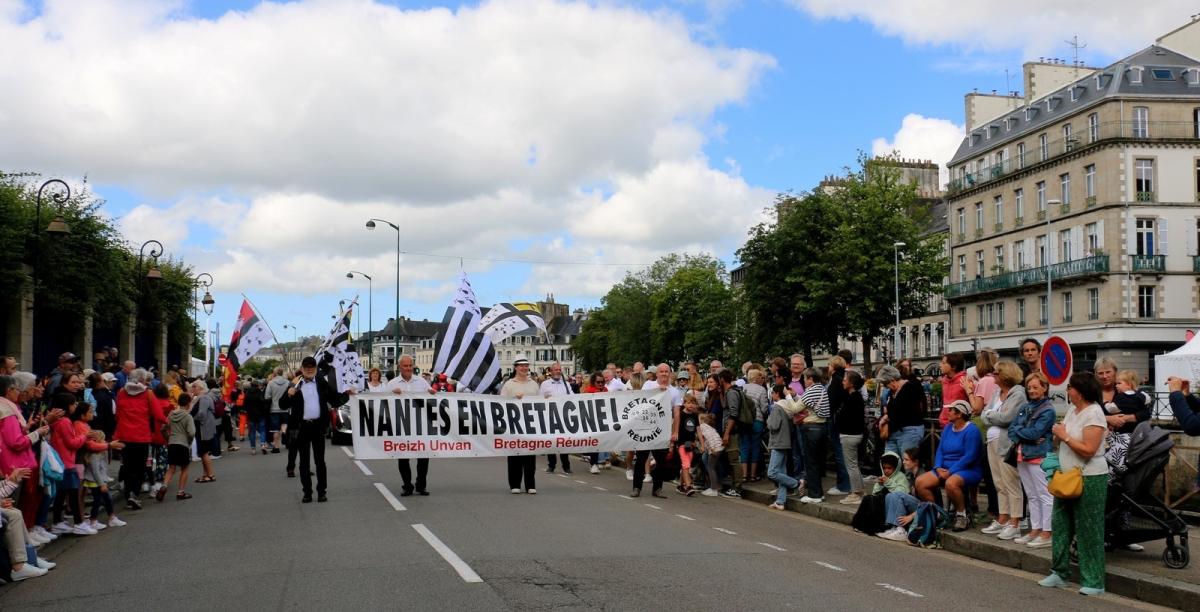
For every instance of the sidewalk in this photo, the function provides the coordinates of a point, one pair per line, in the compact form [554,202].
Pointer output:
[1135,575]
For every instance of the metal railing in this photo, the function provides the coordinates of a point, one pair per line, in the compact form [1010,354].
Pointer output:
[1087,266]
[1196,264]
[1151,131]
[1149,263]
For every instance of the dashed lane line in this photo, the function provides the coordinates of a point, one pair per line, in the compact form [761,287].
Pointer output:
[898,589]
[391,499]
[830,566]
[625,497]
[599,488]
[580,482]
[363,467]
[460,566]
[346,449]
[653,506]
[685,517]
[724,530]
[773,547]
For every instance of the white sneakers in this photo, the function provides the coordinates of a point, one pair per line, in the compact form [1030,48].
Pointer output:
[647,478]
[852,499]
[46,564]
[43,534]
[595,469]
[83,529]
[992,529]
[710,492]
[812,500]
[1023,539]
[1009,532]
[629,475]
[116,522]
[36,539]
[516,491]
[532,491]
[28,570]
[836,491]
[97,525]
[895,534]
[61,528]
[1040,542]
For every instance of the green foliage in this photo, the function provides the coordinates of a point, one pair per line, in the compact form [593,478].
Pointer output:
[259,369]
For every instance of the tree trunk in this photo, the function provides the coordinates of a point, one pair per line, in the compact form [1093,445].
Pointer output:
[867,341]
[808,353]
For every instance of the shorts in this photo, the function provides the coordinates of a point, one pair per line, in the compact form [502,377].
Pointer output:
[210,446]
[276,419]
[179,455]
[685,457]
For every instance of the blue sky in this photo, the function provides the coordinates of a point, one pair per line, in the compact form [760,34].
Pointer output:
[783,95]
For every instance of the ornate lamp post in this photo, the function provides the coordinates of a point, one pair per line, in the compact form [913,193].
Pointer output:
[396,331]
[204,279]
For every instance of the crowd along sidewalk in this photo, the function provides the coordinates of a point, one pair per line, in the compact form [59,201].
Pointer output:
[1130,574]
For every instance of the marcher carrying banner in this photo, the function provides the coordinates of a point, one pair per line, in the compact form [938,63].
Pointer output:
[391,426]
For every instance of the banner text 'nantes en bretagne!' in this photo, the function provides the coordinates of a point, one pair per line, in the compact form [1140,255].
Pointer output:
[409,425]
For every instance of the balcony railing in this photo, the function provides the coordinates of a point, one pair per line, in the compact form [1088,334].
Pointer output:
[1145,196]
[1149,263]
[1196,264]
[1078,268]
[1154,131]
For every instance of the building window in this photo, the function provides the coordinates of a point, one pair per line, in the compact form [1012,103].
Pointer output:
[1019,195]
[999,315]
[1089,180]
[903,343]
[1020,312]
[1042,306]
[962,321]
[1041,196]
[1020,155]
[928,340]
[998,255]
[978,264]
[1092,233]
[1145,236]
[1093,304]
[991,317]
[1135,75]
[1019,248]
[979,215]
[998,209]
[962,268]
[962,221]
[1143,176]
[1198,176]
[1066,131]
[1146,302]
[1141,122]
[1068,307]
[1039,245]
[1043,148]
[1064,188]
[941,340]
[1064,240]
[979,317]
[1093,127]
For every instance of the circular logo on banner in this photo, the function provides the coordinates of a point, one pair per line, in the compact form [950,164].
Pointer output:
[639,419]
[1057,361]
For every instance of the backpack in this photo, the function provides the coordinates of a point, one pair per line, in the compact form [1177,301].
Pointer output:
[871,515]
[746,411]
[923,531]
[218,407]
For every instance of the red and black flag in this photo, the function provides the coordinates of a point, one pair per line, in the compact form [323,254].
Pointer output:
[249,335]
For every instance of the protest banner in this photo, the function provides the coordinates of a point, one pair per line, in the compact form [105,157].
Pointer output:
[391,426]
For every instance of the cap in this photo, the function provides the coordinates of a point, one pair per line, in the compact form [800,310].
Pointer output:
[961,406]
[68,356]
[108,376]
[520,360]
[682,375]
[308,362]
[88,372]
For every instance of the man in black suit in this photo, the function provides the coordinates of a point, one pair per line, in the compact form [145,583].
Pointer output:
[309,402]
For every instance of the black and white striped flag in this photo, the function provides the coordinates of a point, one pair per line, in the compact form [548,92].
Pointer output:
[464,353]
[505,319]
[335,353]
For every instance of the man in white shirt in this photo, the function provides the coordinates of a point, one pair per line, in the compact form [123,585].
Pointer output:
[406,382]
[556,385]
[612,379]
[661,382]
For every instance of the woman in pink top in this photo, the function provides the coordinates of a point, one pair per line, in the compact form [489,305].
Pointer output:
[952,388]
[16,445]
[67,442]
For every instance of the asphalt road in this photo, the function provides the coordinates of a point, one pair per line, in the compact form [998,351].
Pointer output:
[246,542]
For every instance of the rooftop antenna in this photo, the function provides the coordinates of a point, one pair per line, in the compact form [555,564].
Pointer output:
[1075,47]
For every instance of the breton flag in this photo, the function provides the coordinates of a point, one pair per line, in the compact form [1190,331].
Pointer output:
[249,335]
[335,354]
[505,319]
[463,352]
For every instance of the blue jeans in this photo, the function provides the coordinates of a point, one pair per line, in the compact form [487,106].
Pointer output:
[905,438]
[750,445]
[777,472]
[897,505]
[835,443]
[258,431]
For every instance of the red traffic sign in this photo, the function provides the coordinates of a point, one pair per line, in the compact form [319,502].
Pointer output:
[222,359]
[1057,362]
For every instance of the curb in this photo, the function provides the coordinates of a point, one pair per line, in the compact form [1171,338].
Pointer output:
[1118,580]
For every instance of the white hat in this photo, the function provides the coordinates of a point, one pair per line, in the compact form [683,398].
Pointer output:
[520,360]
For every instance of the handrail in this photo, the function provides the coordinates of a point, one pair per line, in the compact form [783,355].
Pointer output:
[1087,266]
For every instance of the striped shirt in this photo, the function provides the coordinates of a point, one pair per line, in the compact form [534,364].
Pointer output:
[816,399]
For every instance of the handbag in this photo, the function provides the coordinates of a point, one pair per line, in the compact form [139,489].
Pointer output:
[1067,485]
[884,430]
[1011,456]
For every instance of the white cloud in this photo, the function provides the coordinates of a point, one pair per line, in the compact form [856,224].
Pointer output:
[922,137]
[491,131]
[1036,27]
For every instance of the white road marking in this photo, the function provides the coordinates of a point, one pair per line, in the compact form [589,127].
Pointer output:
[625,497]
[346,449]
[686,518]
[724,530]
[561,475]
[829,566]
[460,566]
[653,506]
[773,547]
[599,488]
[580,482]
[391,499]
[362,466]
[898,589]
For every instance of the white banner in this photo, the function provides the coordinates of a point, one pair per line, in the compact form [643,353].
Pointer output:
[391,426]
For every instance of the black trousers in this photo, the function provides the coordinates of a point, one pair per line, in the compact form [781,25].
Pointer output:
[406,474]
[312,445]
[133,468]
[639,467]
[522,466]
[566,462]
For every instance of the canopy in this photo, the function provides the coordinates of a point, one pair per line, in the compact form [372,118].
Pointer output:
[1183,362]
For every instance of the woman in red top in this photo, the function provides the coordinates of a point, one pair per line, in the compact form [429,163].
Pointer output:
[595,384]
[134,414]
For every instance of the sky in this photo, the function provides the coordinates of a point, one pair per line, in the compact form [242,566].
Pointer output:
[541,146]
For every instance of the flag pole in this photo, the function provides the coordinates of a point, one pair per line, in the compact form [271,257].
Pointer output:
[286,360]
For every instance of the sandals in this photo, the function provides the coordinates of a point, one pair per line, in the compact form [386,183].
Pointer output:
[161,494]
[206,479]
[183,495]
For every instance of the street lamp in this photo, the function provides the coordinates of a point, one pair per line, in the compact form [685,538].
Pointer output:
[203,279]
[896,246]
[57,225]
[396,331]
[287,355]
[156,249]
[370,313]
[1049,270]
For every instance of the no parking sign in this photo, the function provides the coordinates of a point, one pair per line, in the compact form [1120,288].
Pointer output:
[1057,362]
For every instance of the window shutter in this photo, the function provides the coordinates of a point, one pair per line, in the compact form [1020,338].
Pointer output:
[1029,252]
[1162,236]
[1131,238]
[1051,249]
[1011,262]
[1077,242]
[1191,237]
[1100,234]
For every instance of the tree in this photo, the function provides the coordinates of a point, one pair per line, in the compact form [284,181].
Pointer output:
[690,315]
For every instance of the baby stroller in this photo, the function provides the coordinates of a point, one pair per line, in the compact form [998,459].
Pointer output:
[1133,514]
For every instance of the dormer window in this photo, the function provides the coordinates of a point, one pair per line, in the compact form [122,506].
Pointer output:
[1077,92]
[1162,74]
[992,129]
[1135,75]
[1192,75]
[1009,123]
[1030,113]
[1053,102]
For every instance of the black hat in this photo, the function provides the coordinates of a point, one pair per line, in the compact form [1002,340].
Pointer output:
[308,362]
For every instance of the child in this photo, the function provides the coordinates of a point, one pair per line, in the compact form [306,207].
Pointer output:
[66,443]
[179,445]
[688,422]
[95,469]
[711,446]
[779,442]
[900,505]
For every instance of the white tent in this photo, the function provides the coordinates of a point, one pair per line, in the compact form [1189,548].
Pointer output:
[1183,362]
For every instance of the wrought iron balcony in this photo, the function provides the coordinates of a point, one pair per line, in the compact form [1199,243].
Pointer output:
[1077,268]
[1149,263]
